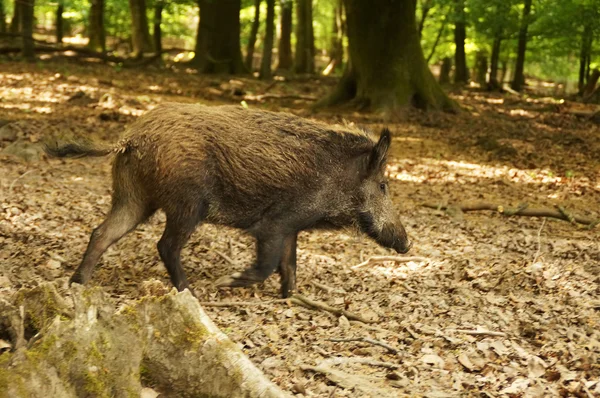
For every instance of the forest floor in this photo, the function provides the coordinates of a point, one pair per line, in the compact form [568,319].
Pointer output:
[500,306]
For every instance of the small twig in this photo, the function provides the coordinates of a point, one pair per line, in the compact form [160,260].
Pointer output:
[327,288]
[379,259]
[539,241]
[566,214]
[239,303]
[478,332]
[362,361]
[17,179]
[412,333]
[306,302]
[333,391]
[520,211]
[378,329]
[366,340]
[261,97]
[226,257]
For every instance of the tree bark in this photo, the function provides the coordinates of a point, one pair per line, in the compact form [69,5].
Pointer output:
[96,31]
[305,43]
[218,41]
[15,22]
[267,57]
[425,7]
[91,350]
[591,85]
[336,51]
[481,67]
[387,69]
[139,28]
[461,73]
[252,38]
[285,41]
[493,83]
[2,17]
[157,36]
[445,69]
[585,56]
[27,7]
[59,22]
[519,78]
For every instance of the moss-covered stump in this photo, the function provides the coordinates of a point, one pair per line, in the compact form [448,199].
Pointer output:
[166,342]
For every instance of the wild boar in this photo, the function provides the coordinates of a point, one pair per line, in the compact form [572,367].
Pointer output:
[269,174]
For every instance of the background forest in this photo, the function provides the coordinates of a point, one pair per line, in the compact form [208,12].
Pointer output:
[494,113]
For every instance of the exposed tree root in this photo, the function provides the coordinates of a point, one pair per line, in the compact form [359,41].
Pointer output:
[166,342]
[523,210]
[379,259]
[304,301]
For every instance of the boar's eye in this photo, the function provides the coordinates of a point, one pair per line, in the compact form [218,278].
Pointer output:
[383,187]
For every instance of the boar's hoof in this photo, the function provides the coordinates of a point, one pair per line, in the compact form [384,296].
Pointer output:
[239,279]
[76,278]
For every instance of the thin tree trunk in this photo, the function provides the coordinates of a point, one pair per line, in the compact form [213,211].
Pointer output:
[15,22]
[584,56]
[591,84]
[461,74]
[503,72]
[59,22]
[493,80]
[157,36]
[445,69]
[139,28]
[2,17]
[252,38]
[425,8]
[336,51]
[305,47]
[265,66]
[218,40]
[97,33]
[27,28]
[285,41]
[481,67]
[387,69]
[437,39]
[519,78]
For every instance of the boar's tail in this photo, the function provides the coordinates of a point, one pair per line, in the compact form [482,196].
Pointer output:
[77,149]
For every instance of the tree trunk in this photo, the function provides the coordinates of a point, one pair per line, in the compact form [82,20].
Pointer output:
[218,44]
[305,43]
[285,41]
[252,38]
[481,67]
[387,69]
[591,84]
[336,52]
[165,341]
[2,17]
[96,31]
[59,22]
[27,7]
[157,36]
[426,6]
[461,73]
[493,83]
[584,56]
[265,66]
[139,28]
[519,78]
[437,40]
[445,69]
[15,22]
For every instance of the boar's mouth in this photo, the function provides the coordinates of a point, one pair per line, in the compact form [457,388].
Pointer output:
[390,235]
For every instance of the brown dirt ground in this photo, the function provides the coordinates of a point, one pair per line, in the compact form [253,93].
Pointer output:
[535,281]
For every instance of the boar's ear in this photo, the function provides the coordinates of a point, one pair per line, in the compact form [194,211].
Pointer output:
[378,155]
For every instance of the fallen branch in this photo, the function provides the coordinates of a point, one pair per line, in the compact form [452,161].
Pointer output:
[262,97]
[363,361]
[396,259]
[478,332]
[306,302]
[326,288]
[239,303]
[365,340]
[362,385]
[520,211]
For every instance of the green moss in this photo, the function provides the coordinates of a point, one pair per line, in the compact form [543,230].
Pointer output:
[94,385]
[192,335]
[5,375]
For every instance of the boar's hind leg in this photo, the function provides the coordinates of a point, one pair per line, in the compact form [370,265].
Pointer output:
[287,266]
[268,257]
[180,226]
[124,216]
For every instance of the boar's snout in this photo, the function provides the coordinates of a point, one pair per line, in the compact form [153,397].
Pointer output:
[394,236]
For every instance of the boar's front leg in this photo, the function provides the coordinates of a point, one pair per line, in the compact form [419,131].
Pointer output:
[269,254]
[287,266]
